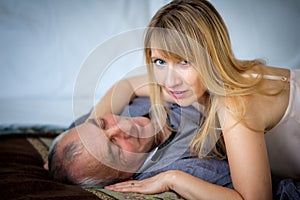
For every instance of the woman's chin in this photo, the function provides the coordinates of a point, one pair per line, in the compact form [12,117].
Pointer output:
[184,102]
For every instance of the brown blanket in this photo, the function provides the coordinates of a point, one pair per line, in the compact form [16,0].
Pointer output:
[22,176]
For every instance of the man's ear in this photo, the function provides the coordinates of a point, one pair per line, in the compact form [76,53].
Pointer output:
[46,167]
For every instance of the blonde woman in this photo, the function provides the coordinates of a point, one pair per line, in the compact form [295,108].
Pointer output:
[252,110]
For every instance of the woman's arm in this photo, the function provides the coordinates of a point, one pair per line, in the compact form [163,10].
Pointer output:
[182,183]
[120,94]
[247,153]
[248,183]
[249,168]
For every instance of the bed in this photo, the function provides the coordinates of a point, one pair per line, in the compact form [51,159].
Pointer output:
[24,150]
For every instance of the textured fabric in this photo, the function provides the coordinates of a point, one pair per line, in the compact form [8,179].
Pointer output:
[22,175]
[283,141]
[211,170]
[185,120]
[175,154]
[286,189]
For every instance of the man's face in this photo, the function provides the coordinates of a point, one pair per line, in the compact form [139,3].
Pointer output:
[119,144]
[132,134]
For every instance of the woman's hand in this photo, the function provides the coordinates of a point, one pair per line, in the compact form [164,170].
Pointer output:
[156,184]
[184,184]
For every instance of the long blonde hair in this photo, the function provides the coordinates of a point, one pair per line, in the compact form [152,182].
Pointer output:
[193,30]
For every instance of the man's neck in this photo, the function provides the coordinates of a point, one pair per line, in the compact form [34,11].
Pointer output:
[161,137]
[165,135]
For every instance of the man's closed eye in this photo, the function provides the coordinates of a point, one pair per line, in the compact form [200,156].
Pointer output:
[100,123]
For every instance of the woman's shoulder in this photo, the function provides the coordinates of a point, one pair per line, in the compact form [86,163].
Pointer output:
[272,73]
[273,80]
[268,103]
[271,101]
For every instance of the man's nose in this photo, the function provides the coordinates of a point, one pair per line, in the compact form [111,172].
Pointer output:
[121,128]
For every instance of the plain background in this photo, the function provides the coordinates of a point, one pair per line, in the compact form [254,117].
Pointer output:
[48,46]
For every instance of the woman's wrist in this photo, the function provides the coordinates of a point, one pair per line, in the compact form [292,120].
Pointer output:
[171,178]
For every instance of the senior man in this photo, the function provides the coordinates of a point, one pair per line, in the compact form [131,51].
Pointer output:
[102,151]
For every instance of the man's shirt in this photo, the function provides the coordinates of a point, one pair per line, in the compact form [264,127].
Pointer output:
[173,153]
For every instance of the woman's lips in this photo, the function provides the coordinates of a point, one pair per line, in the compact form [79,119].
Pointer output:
[178,94]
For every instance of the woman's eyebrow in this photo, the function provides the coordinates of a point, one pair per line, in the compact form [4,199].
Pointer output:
[155,58]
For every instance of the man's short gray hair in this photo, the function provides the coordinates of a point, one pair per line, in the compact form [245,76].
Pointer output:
[59,165]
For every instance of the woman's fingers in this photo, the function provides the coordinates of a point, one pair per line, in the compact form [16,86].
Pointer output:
[151,185]
[128,186]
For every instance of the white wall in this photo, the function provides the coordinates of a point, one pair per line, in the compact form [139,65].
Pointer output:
[43,46]
[267,29]
[48,46]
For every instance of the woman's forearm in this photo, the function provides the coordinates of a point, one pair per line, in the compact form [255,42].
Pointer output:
[120,94]
[186,185]
[191,187]
[115,99]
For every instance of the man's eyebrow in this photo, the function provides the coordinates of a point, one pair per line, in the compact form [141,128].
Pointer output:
[93,121]
[110,152]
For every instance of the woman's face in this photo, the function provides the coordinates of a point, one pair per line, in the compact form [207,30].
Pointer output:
[179,79]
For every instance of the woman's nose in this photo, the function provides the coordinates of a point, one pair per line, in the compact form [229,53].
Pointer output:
[172,78]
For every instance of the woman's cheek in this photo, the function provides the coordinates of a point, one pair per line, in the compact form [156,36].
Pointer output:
[159,77]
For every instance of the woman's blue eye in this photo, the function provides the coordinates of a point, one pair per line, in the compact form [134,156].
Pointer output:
[184,62]
[159,62]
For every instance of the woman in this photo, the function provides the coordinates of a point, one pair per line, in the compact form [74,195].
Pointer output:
[249,107]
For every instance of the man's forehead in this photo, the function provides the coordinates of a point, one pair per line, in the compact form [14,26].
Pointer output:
[87,165]
[96,142]
[70,136]
[101,148]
